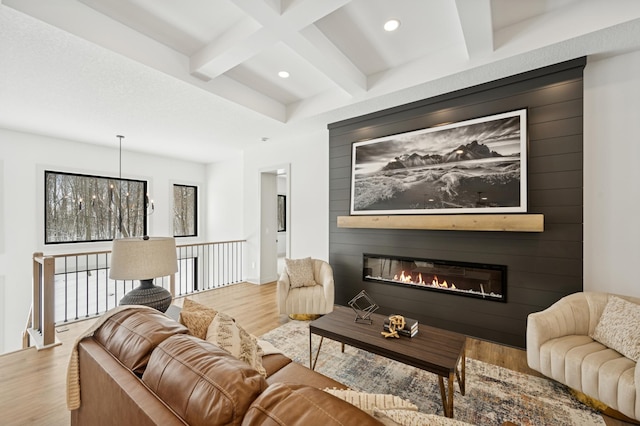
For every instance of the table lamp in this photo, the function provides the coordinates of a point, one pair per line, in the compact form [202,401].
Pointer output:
[144,259]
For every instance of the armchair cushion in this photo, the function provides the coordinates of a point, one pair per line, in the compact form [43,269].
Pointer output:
[300,272]
[619,327]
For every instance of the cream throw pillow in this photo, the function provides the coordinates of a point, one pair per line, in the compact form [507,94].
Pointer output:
[196,317]
[368,401]
[392,410]
[225,333]
[300,272]
[619,327]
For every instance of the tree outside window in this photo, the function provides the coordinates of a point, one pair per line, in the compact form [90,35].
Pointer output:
[83,208]
[185,211]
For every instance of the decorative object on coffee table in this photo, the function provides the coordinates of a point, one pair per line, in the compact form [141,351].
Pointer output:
[363,306]
[395,322]
[409,329]
[144,259]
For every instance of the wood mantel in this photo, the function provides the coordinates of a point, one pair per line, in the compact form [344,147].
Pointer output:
[458,222]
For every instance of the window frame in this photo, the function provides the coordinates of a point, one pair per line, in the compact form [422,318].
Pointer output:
[87,200]
[194,208]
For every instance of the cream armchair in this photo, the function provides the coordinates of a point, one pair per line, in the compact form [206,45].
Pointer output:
[560,346]
[305,287]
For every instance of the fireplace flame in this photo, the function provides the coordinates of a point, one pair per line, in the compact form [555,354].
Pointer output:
[435,282]
[404,278]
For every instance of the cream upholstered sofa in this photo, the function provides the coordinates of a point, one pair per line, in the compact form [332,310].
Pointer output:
[564,342]
[306,287]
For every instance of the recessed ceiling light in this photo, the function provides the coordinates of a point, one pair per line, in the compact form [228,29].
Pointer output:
[283,74]
[391,25]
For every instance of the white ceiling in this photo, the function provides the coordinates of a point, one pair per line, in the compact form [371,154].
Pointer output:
[197,79]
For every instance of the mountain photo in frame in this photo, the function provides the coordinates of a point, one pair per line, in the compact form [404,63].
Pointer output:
[473,166]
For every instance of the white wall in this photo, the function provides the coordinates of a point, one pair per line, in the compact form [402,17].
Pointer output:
[612,174]
[25,157]
[268,227]
[308,200]
[224,200]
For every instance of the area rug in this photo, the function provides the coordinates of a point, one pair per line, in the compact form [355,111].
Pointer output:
[493,394]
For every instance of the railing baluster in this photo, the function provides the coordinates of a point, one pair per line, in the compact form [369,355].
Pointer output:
[86,285]
[66,289]
[205,270]
[106,280]
[76,283]
[97,281]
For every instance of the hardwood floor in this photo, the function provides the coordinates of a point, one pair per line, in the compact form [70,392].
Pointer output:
[32,383]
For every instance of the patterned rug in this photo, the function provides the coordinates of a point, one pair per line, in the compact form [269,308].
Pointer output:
[493,394]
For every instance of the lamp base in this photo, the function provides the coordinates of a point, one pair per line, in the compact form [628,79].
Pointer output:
[148,294]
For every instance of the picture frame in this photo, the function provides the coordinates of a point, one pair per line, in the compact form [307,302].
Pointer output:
[471,166]
[282,213]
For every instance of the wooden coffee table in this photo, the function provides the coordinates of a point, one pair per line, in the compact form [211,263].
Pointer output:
[438,351]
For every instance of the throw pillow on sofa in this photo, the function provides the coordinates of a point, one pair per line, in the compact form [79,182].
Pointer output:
[228,335]
[413,418]
[619,327]
[196,317]
[368,401]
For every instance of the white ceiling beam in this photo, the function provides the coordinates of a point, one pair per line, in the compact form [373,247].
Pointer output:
[477,26]
[320,52]
[218,57]
[221,56]
[297,30]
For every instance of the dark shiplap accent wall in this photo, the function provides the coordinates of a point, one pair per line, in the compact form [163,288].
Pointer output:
[542,267]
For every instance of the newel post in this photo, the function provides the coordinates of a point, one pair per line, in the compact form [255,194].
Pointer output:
[42,331]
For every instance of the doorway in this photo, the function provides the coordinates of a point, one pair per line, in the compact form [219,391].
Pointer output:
[275,221]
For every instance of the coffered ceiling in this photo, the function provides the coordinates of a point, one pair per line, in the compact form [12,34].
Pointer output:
[198,79]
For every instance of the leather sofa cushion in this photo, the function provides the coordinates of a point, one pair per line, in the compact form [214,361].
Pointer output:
[202,383]
[288,404]
[131,335]
[296,373]
[274,362]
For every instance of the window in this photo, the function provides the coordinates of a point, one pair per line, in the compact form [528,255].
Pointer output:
[185,211]
[82,208]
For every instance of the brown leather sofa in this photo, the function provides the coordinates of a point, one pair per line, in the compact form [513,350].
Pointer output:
[143,368]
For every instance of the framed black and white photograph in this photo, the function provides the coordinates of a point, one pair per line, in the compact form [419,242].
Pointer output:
[472,166]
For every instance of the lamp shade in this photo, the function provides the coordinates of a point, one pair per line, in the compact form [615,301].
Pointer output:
[143,259]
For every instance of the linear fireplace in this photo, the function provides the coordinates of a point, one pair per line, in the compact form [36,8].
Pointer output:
[461,278]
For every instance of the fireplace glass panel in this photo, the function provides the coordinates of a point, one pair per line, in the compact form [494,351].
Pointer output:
[462,278]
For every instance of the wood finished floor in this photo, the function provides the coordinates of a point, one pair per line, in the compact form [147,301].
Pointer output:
[32,383]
